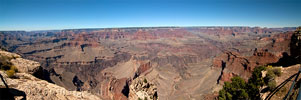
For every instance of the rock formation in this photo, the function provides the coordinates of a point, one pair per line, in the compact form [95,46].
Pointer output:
[141,89]
[233,64]
[296,45]
[25,86]
[26,66]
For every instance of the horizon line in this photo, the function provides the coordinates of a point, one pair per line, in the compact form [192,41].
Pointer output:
[125,27]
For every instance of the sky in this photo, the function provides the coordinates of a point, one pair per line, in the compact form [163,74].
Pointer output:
[71,14]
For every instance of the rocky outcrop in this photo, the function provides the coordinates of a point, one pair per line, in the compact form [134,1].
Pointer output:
[26,66]
[8,54]
[143,68]
[296,45]
[118,89]
[23,85]
[233,64]
[33,88]
[141,89]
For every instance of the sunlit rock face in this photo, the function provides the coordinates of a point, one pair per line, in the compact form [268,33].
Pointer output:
[24,85]
[183,62]
[140,88]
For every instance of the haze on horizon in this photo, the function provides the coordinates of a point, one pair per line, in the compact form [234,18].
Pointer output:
[69,14]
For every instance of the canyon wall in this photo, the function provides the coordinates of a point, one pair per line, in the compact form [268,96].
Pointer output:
[182,62]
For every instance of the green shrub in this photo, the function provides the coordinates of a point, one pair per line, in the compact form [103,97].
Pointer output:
[272,85]
[269,76]
[145,81]
[253,91]
[235,90]
[238,89]
[256,78]
[277,71]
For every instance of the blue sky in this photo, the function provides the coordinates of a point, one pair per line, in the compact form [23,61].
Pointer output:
[66,14]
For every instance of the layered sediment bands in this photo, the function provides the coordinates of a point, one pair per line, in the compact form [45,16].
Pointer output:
[83,70]
[178,60]
[233,64]
[279,42]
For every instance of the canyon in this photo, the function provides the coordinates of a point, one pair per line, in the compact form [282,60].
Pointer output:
[177,62]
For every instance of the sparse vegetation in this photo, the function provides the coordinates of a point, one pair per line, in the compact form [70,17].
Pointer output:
[271,85]
[235,90]
[256,77]
[277,71]
[238,89]
[145,81]
[7,66]
[269,79]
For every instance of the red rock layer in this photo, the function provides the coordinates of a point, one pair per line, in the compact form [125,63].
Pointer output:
[233,64]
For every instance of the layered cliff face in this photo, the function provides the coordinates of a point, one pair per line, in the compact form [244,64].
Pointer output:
[23,85]
[183,62]
[237,63]
[233,64]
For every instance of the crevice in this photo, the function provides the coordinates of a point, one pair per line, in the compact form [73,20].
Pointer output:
[222,72]
[126,90]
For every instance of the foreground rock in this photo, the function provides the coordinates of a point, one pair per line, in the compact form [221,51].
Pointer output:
[26,66]
[35,89]
[23,85]
[8,54]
